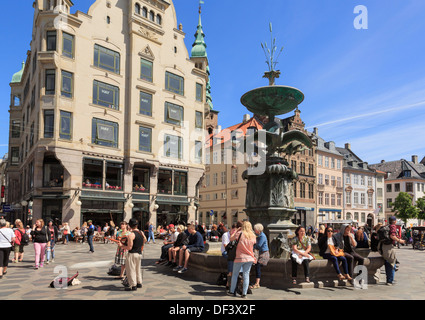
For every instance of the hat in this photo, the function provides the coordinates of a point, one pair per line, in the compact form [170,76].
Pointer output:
[392,218]
[171,226]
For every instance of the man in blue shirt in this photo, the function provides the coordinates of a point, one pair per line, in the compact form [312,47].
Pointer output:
[196,244]
[90,234]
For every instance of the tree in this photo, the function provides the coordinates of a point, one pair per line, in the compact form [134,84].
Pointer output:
[404,208]
[420,204]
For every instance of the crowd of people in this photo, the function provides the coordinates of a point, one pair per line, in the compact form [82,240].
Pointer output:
[338,246]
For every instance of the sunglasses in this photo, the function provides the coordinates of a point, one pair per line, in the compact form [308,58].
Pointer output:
[329,231]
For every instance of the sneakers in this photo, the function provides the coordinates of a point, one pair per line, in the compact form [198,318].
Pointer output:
[182,270]
[178,268]
[169,263]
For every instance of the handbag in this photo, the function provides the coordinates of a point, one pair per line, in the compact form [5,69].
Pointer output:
[264,258]
[231,249]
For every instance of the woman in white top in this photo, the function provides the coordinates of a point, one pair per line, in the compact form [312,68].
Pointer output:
[7,237]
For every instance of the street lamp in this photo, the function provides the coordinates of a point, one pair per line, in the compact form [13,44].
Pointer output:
[24,203]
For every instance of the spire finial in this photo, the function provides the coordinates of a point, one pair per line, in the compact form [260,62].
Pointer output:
[271,61]
[201,2]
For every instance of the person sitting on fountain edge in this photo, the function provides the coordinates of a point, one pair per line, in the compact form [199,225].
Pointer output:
[196,244]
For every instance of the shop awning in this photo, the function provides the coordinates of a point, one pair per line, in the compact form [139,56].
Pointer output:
[330,210]
[184,201]
[103,196]
[51,196]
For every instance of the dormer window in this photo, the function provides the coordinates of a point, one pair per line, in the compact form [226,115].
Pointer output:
[407,173]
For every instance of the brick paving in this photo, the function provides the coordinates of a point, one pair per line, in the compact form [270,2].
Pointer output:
[22,282]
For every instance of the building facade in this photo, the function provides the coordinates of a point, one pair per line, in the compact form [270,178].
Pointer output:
[329,178]
[359,183]
[107,115]
[402,176]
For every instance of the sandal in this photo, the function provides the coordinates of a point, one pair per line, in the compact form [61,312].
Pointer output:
[307,279]
[294,281]
[341,277]
[347,276]
[255,286]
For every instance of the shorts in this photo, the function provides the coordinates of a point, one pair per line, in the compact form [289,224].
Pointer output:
[195,249]
[18,248]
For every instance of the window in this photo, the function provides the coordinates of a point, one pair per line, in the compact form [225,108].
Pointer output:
[326,199]
[180,183]
[356,197]
[141,179]
[146,70]
[68,45]
[327,179]
[333,181]
[311,191]
[52,172]
[49,123]
[50,81]
[347,179]
[320,160]
[302,190]
[327,162]
[348,197]
[165,181]
[339,200]
[199,123]
[51,41]
[234,194]
[14,156]
[320,178]
[389,187]
[104,133]
[310,170]
[92,174]
[321,198]
[356,179]
[16,128]
[389,203]
[294,165]
[113,175]
[174,83]
[16,101]
[302,167]
[106,95]
[145,103]
[339,182]
[199,92]
[338,164]
[369,199]
[32,135]
[67,84]
[332,199]
[409,187]
[215,179]
[369,181]
[332,163]
[106,59]
[198,152]
[397,187]
[65,125]
[144,12]
[137,8]
[158,19]
[362,198]
[362,180]
[145,139]
[234,175]
[379,192]
[173,146]
[223,177]
[173,114]
[151,16]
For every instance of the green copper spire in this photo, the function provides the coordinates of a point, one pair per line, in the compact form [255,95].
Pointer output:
[199,48]
[17,77]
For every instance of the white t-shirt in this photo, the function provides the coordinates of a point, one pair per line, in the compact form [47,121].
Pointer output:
[173,236]
[6,235]
[329,242]
[225,239]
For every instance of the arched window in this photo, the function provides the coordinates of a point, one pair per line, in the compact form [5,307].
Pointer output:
[158,19]
[137,8]
[151,16]
[144,12]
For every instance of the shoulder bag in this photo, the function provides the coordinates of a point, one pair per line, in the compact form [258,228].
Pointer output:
[231,249]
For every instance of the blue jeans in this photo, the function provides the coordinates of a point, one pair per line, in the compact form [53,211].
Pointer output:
[90,241]
[151,236]
[51,252]
[390,272]
[246,267]
[335,262]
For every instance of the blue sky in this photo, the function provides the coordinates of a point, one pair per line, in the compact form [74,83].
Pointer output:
[364,87]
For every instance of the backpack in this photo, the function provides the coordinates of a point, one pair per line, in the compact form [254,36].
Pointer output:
[384,235]
[25,239]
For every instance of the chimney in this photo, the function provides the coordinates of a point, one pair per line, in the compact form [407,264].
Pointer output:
[246,118]
[348,146]
[415,159]
[382,161]
[316,131]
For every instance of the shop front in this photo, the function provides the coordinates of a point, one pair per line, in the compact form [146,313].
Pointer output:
[172,210]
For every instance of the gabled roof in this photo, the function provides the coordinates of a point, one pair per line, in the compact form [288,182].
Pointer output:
[225,135]
[352,161]
[396,169]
